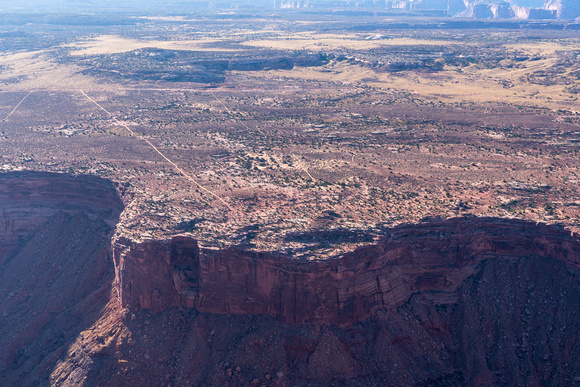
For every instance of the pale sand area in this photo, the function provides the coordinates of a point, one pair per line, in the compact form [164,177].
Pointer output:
[471,84]
[111,44]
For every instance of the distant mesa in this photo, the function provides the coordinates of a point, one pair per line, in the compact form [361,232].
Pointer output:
[481,9]
[151,64]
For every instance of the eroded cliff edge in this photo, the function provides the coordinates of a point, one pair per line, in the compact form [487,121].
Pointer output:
[431,256]
[462,301]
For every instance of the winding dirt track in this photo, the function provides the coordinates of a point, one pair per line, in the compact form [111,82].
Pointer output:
[13,110]
[185,174]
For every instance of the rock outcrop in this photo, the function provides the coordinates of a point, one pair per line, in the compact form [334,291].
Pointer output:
[187,66]
[519,9]
[497,9]
[433,256]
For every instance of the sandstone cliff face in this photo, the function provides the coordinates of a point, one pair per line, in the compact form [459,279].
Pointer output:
[564,9]
[435,256]
[519,9]
[466,301]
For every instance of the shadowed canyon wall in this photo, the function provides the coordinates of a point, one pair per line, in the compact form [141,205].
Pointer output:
[55,267]
[29,199]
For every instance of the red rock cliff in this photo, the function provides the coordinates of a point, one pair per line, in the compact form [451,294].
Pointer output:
[438,255]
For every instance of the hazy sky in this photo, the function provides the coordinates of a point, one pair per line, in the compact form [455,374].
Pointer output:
[168,5]
[56,5]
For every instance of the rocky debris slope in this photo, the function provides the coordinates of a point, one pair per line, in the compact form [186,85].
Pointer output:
[55,267]
[514,321]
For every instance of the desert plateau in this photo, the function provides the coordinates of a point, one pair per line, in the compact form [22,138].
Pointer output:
[290,193]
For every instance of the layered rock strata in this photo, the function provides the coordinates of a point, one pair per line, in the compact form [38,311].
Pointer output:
[431,256]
